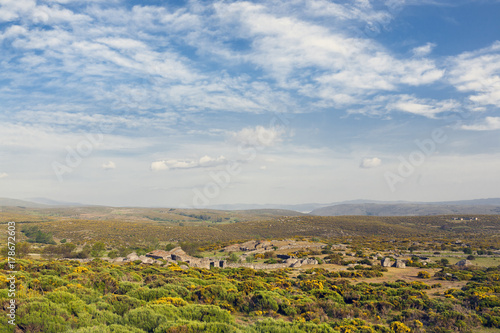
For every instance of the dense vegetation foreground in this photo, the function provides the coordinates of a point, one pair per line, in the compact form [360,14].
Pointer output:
[346,291]
[68,296]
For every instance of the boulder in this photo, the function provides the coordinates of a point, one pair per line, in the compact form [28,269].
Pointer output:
[309,262]
[464,263]
[400,264]
[146,260]
[386,262]
[132,257]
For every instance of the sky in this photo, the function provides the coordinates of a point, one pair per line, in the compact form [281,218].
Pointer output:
[197,103]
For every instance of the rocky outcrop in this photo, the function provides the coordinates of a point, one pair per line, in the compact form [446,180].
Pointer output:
[386,262]
[400,263]
[464,263]
[132,257]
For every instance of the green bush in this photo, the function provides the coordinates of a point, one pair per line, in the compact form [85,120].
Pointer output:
[108,329]
[43,316]
[144,318]
[205,313]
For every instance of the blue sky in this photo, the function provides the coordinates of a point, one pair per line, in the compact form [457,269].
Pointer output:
[192,103]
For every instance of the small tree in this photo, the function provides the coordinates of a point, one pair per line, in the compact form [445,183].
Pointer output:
[98,249]
[444,262]
[169,246]
[233,257]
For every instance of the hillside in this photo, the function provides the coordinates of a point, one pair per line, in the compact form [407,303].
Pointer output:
[406,209]
[7,202]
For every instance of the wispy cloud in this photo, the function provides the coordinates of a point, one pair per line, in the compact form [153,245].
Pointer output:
[424,50]
[258,136]
[204,162]
[478,72]
[424,107]
[489,124]
[110,165]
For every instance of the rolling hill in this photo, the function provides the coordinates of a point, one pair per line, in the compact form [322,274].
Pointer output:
[406,209]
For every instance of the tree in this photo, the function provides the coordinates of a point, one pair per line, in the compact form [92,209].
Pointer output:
[36,235]
[97,249]
[233,257]
[467,250]
[22,249]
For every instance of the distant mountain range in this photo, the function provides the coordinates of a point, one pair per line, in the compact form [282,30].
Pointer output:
[383,208]
[353,207]
[36,203]
[407,209]
[6,202]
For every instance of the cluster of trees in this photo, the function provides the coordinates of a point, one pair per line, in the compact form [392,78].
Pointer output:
[204,217]
[35,235]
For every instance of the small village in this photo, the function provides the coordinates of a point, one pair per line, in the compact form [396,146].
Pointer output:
[288,254]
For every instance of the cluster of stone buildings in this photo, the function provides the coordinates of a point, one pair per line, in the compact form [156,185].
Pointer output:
[177,255]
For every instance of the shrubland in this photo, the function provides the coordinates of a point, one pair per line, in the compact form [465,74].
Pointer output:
[349,292]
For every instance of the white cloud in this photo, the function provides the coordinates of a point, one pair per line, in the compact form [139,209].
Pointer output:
[478,72]
[424,107]
[489,124]
[427,107]
[207,161]
[3,175]
[368,163]
[258,136]
[322,62]
[13,31]
[159,166]
[423,50]
[12,9]
[110,165]
[354,10]
[122,43]
[204,162]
